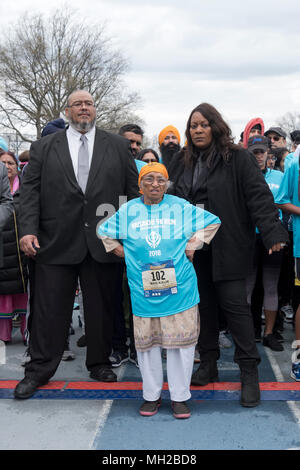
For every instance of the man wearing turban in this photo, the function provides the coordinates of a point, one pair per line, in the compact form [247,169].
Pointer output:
[169,144]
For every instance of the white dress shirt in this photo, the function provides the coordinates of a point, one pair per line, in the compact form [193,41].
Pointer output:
[74,143]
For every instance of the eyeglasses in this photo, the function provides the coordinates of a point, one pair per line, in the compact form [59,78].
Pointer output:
[274,137]
[271,158]
[149,180]
[78,104]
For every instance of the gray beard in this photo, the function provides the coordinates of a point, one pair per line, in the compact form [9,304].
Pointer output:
[82,126]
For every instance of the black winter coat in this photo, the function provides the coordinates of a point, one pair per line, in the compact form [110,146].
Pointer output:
[240,197]
[13,273]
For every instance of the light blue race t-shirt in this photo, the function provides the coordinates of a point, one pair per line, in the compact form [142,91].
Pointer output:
[288,160]
[139,164]
[288,194]
[161,278]
[273,178]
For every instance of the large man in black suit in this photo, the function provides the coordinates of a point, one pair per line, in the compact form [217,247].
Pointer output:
[68,188]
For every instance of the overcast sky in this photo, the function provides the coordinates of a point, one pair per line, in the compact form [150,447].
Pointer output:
[242,57]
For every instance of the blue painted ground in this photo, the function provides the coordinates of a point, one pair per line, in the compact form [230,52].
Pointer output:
[214,425]
[82,424]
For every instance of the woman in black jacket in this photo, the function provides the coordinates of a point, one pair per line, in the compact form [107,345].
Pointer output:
[226,180]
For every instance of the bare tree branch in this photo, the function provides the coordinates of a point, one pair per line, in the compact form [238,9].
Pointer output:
[43,60]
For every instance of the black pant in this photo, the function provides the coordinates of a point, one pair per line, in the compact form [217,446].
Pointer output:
[120,335]
[54,293]
[230,296]
[257,302]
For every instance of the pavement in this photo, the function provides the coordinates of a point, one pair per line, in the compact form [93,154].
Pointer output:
[73,412]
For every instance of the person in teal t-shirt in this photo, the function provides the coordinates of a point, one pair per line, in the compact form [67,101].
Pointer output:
[288,200]
[158,234]
[270,265]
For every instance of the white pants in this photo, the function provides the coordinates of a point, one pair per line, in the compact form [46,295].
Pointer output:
[180,363]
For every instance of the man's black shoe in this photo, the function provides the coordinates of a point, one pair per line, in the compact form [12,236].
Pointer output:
[104,374]
[26,388]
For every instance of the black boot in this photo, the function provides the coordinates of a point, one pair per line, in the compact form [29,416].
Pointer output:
[250,392]
[206,373]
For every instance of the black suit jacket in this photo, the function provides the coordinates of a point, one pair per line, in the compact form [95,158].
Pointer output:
[53,206]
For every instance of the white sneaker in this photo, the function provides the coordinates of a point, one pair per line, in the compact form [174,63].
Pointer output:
[224,342]
[288,313]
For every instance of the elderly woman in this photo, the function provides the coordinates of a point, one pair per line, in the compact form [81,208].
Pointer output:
[226,180]
[158,235]
[13,272]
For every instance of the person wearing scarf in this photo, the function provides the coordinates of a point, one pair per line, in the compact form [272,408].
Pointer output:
[13,272]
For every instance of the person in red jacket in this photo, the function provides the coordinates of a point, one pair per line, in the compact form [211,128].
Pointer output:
[254,127]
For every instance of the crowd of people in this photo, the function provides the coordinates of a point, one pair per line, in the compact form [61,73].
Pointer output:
[175,252]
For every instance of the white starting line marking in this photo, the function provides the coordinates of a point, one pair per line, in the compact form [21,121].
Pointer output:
[278,374]
[102,418]
[104,412]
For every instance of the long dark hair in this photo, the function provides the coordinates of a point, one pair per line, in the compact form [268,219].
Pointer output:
[222,141]
[144,151]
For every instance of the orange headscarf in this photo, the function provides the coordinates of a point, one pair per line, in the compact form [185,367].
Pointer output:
[154,166]
[165,131]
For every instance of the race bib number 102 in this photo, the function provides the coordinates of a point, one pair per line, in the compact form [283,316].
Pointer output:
[159,279]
